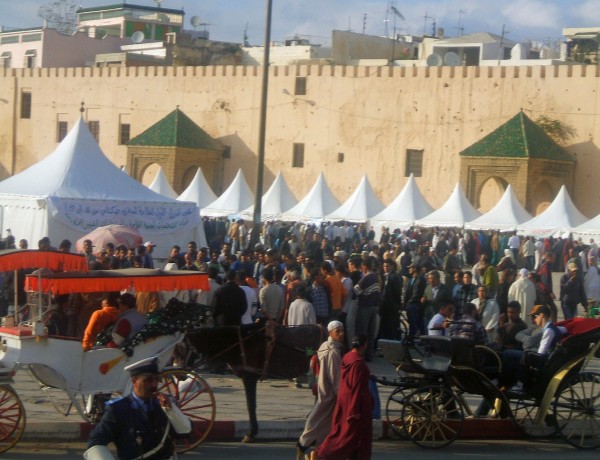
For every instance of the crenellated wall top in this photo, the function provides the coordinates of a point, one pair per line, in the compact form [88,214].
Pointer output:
[554,71]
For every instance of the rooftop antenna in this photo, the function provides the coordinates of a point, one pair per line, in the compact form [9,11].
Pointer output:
[246,43]
[426,17]
[397,14]
[364,22]
[459,27]
[501,50]
[158,2]
[386,21]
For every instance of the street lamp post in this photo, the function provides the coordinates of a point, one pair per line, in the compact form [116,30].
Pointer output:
[262,129]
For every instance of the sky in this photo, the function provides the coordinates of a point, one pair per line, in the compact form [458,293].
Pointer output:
[536,20]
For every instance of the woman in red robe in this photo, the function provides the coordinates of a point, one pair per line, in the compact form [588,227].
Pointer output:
[352,425]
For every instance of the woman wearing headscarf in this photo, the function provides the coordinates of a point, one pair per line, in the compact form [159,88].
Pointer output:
[508,261]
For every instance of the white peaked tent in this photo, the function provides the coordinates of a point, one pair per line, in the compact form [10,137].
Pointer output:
[161,185]
[76,189]
[278,199]
[198,191]
[558,219]
[360,206]
[455,212]
[588,230]
[407,207]
[505,216]
[234,200]
[315,205]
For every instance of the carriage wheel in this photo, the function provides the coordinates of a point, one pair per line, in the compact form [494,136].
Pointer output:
[524,413]
[393,409]
[432,417]
[195,399]
[402,329]
[577,411]
[12,418]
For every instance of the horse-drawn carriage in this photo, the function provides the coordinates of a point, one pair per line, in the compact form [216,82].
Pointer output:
[88,378]
[428,405]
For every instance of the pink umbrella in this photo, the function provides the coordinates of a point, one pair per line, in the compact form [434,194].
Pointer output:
[116,234]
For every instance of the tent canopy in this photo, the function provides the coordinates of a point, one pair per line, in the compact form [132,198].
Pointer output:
[278,199]
[198,191]
[315,205]
[407,207]
[360,206]
[161,185]
[234,200]
[505,216]
[455,212]
[77,188]
[558,219]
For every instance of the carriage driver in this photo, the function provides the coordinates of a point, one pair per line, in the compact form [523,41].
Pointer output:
[141,424]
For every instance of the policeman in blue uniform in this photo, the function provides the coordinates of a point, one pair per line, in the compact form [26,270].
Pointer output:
[140,425]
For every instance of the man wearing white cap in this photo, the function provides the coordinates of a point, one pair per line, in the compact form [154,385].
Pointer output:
[141,424]
[318,422]
[523,291]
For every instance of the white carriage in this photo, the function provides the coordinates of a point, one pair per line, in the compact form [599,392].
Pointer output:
[89,377]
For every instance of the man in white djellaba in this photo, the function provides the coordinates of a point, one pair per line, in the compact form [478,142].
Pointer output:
[318,422]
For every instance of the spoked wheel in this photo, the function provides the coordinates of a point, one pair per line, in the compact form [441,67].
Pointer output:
[432,417]
[393,410]
[402,329]
[195,399]
[12,418]
[525,411]
[577,411]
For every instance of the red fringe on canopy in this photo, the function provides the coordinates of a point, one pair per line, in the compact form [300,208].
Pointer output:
[91,283]
[16,259]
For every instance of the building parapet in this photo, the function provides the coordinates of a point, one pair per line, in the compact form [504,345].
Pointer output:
[553,71]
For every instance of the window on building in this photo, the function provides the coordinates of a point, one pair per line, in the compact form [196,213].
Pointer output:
[124,133]
[30,56]
[300,89]
[94,127]
[62,130]
[298,156]
[340,157]
[227,152]
[414,163]
[6,59]
[25,104]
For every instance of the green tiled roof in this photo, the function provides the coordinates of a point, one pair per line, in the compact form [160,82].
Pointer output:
[176,130]
[519,137]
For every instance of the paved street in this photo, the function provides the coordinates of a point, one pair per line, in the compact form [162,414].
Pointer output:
[285,450]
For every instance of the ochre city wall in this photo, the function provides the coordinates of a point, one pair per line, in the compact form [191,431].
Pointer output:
[371,115]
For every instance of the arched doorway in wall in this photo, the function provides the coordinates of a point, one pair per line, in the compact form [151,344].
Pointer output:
[542,197]
[490,193]
[149,173]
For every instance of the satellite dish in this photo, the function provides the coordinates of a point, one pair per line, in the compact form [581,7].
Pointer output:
[452,59]
[195,21]
[137,37]
[434,60]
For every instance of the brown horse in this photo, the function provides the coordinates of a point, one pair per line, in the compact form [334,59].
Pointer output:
[254,352]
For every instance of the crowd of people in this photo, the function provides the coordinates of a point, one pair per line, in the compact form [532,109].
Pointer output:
[482,285]
[303,273]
